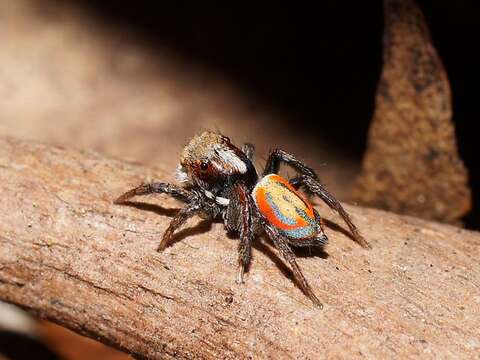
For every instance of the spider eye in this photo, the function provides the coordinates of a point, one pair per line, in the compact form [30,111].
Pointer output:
[204,166]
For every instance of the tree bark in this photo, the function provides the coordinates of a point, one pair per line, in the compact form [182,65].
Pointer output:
[69,255]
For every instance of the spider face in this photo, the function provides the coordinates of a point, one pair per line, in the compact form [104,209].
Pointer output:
[220,181]
[211,162]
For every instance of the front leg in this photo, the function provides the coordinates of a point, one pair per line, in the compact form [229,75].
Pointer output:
[182,216]
[156,188]
[239,218]
[278,156]
[195,204]
[318,189]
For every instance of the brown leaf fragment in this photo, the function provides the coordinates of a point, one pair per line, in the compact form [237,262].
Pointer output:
[412,165]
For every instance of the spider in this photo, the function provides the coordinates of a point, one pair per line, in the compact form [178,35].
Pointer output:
[220,181]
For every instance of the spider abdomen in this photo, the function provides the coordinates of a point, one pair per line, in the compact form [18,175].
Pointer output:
[285,208]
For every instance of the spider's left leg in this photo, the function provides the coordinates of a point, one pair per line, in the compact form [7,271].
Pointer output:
[315,187]
[192,208]
[278,156]
[249,150]
[281,243]
[239,218]
[155,188]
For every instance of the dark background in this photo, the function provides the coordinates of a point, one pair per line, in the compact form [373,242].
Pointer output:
[318,64]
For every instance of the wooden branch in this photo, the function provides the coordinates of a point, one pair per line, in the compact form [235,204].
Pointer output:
[69,255]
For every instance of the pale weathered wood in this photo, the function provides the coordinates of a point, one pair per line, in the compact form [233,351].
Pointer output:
[69,255]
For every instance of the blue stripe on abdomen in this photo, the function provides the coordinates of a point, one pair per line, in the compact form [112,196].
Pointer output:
[301,232]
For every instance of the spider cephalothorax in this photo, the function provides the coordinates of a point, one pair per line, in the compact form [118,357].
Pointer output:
[219,180]
[213,163]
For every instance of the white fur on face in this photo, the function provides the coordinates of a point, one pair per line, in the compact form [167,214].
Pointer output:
[231,158]
[181,175]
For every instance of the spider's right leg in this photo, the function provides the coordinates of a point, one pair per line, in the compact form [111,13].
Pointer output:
[156,188]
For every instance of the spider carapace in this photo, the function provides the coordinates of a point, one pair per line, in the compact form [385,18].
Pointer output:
[219,181]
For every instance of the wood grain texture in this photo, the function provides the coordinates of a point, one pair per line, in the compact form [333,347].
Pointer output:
[69,255]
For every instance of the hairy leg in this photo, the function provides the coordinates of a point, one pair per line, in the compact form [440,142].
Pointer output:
[195,204]
[278,156]
[318,189]
[155,188]
[248,150]
[281,243]
[239,218]
[180,218]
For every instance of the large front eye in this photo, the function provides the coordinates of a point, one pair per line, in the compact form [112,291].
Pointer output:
[203,166]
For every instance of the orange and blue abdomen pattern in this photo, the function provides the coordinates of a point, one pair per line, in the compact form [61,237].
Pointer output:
[285,208]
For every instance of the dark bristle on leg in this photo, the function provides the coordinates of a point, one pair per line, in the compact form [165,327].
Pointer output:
[282,245]
[278,156]
[155,188]
[182,216]
[239,218]
[193,207]
[318,189]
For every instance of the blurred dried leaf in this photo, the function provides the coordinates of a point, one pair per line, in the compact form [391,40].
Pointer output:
[412,164]
[71,78]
